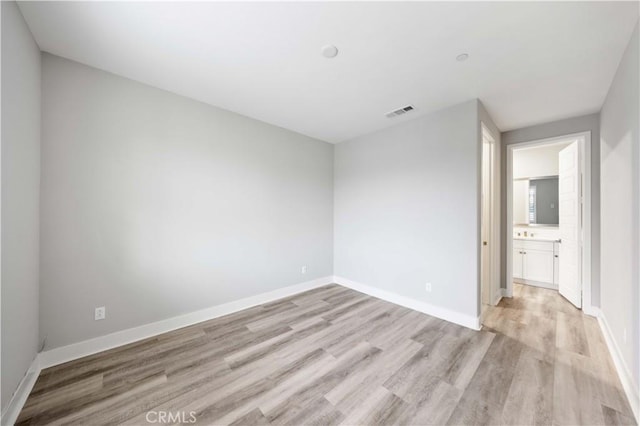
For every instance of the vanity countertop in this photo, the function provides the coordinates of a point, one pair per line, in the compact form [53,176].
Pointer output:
[552,240]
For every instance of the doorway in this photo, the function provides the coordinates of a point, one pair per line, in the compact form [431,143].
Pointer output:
[490,223]
[549,217]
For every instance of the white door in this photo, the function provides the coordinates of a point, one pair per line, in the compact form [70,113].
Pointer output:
[570,282]
[486,222]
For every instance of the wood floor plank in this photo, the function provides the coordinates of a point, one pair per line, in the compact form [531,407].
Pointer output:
[297,314]
[614,417]
[570,334]
[351,391]
[575,400]
[255,418]
[263,349]
[530,397]
[433,407]
[380,408]
[317,413]
[102,411]
[400,330]
[484,397]
[319,384]
[65,394]
[467,354]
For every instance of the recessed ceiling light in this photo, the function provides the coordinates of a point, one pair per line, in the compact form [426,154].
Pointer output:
[462,57]
[329,51]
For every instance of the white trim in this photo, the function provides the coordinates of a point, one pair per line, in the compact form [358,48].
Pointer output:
[507,292]
[499,296]
[541,284]
[585,148]
[12,410]
[98,344]
[465,320]
[628,384]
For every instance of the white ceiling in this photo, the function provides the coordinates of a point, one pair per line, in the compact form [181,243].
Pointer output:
[529,62]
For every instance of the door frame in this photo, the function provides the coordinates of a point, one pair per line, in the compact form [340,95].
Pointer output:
[493,239]
[584,145]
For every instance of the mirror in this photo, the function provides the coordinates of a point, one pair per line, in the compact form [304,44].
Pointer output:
[535,201]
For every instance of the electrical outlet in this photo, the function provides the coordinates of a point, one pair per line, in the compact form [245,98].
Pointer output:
[101,313]
[303,270]
[427,287]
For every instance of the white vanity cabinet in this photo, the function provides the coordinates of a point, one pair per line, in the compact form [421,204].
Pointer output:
[534,262]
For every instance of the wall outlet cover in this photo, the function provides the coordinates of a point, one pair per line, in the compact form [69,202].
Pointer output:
[100,313]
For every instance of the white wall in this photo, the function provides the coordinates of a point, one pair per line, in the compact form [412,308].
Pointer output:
[620,144]
[407,209]
[520,195]
[537,162]
[20,197]
[154,205]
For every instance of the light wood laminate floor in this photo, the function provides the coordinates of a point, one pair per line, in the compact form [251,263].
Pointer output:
[336,356]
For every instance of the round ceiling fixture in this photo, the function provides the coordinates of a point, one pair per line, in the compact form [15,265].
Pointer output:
[462,57]
[329,51]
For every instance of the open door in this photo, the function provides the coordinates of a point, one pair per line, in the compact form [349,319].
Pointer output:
[570,280]
[487,198]
[490,222]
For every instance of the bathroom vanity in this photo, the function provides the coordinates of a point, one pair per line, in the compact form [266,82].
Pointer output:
[535,261]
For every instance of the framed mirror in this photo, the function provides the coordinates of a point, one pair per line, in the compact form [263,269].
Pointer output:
[536,201]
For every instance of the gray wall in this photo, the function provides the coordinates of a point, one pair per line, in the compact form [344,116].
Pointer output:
[155,205]
[20,198]
[583,123]
[620,143]
[406,208]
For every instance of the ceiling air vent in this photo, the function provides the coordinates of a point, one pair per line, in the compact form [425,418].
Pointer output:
[399,111]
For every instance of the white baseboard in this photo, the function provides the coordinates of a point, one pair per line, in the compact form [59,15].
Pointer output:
[591,311]
[469,321]
[628,384]
[67,353]
[11,412]
[550,286]
[499,296]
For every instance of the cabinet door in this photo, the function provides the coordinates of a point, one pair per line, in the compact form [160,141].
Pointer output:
[538,265]
[517,263]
